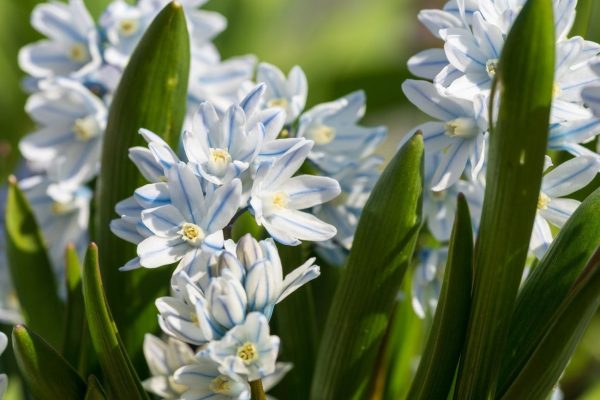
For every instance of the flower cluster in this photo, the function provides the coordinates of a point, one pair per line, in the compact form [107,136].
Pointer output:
[455,93]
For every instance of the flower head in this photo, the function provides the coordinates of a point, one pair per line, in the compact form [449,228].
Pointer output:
[288,93]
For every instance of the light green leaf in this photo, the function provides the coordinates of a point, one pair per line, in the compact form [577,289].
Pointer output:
[514,173]
[549,359]
[440,359]
[365,298]
[30,268]
[583,16]
[549,284]
[48,375]
[122,380]
[152,94]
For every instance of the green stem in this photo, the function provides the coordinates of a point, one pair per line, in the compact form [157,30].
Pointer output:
[257,392]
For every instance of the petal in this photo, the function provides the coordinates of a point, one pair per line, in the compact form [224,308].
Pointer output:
[541,237]
[155,354]
[306,191]
[126,231]
[186,193]
[156,251]
[163,221]
[224,204]
[152,195]
[570,176]
[438,20]
[573,132]
[451,166]
[559,211]
[298,277]
[287,165]
[300,225]
[428,99]
[146,163]
[463,52]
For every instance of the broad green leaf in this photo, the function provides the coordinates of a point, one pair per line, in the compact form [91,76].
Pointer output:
[296,324]
[365,298]
[440,359]
[549,359]
[122,380]
[514,173]
[152,94]
[583,16]
[74,346]
[47,374]
[549,284]
[30,268]
[94,390]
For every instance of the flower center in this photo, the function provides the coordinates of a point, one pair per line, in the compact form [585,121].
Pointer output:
[78,53]
[128,27]
[247,352]
[218,161]
[462,127]
[322,134]
[59,208]
[438,196]
[279,102]
[86,128]
[491,66]
[280,200]
[543,201]
[556,90]
[221,385]
[191,233]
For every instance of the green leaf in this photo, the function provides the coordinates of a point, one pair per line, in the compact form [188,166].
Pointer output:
[75,347]
[551,356]
[31,272]
[549,284]
[122,380]
[47,374]
[514,173]
[152,94]
[296,325]
[365,298]
[95,390]
[583,16]
[437,368]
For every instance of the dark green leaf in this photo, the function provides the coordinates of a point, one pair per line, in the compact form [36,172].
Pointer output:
[47,374]
[365,298]
[583,15]
[545,366]
[30,268]
[152,94]
[122,380]
[514,173]
[437,368]
[549,284]
[94,391]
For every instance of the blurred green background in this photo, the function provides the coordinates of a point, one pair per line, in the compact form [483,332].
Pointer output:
[342,45]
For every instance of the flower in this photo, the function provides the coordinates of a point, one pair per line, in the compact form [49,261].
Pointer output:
[206,379]
[427,280]
[277,197]
[334,129]
[193,221]
[591,95]
[62,213]
[247,349]
[3,377]
[69,142]
[553,208]
[220,149]
[163,359]
[72,45]
[459,136]
[287,93]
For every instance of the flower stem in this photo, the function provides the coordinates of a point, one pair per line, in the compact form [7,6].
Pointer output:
[256,390]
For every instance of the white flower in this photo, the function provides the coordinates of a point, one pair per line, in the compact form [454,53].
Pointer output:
[3,377]
[72,44]
[334,129]
[553,208]
[220,149]
[459,135]
[591,95]
[427,280]
[277,197]
[69,141]
[62,213]
[191,222]
[164,358]
[287,93]
[247,349]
